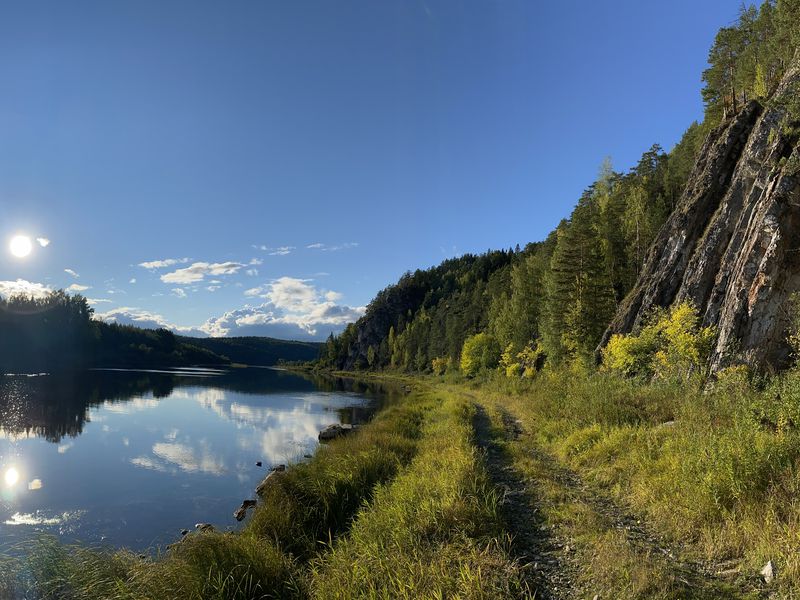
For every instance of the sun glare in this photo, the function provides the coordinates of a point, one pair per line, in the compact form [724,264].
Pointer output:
[11,476]
[20,246]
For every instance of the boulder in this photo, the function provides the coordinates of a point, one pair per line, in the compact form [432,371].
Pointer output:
[769,572]
[331,432]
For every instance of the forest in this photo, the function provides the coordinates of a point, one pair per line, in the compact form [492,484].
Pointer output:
[57,333]
[552,300]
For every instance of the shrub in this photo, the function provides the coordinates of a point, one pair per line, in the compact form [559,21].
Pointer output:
[439,365]
[480,352]
[672,345]
[521,364]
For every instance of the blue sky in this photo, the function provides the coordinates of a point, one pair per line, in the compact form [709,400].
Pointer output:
[277,163]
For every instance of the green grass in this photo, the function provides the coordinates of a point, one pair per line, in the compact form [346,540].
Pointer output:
[721,483]
[315,501]
[432,532]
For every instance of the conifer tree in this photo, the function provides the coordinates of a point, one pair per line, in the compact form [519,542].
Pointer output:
[579,301]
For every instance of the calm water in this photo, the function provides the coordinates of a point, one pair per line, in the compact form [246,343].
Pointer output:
[131,458]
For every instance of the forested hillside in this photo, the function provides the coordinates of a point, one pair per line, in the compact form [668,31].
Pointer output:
[556,298]
[259,351]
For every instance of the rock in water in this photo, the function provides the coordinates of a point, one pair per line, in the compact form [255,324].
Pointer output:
[331,432]
[768,573]
[240,513]
[731,245]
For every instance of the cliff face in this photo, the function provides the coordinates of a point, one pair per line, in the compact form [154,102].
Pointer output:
[732,246]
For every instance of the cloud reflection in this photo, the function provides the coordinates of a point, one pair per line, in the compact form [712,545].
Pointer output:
[187,459]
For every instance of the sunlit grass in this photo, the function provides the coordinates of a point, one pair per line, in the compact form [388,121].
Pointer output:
[432,532]
[713,471]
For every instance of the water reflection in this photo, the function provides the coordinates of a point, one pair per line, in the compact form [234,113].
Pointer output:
[130,458]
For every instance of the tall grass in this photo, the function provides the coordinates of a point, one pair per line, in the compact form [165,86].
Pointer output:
[715,470]
[432,532]
[315,501]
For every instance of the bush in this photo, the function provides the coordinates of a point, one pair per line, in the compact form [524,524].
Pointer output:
[521,364]
[671,346]
[439,365]
[480,352]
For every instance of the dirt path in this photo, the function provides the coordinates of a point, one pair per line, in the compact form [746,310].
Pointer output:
[548,572]
[552,566]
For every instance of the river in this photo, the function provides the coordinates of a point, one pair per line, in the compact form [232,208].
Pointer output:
[131,458]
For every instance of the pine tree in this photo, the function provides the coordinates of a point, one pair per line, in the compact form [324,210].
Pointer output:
[580,300]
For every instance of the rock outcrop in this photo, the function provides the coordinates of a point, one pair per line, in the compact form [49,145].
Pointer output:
[732,246]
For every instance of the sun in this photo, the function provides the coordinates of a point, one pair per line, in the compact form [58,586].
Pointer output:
[20,246]
[11,477]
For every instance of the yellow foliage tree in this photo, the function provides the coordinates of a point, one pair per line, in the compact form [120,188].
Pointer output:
[671,345]
[480,352]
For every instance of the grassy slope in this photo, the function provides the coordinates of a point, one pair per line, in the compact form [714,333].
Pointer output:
[432,532]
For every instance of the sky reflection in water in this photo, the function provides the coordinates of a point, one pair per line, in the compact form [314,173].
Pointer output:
[131,458]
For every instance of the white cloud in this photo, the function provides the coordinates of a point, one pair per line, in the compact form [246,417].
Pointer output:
[327,248]
[133,280]
[279,251]
[71,272]
[129,315]
[295,309]
[185,457]
[256,261]
[178,292]
[198,271]
[97,300]
[160,264]
[22,287]
[43,242]
[291,309]
[77,287]
[252,272]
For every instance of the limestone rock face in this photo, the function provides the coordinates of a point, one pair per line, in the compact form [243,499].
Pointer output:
[732,245]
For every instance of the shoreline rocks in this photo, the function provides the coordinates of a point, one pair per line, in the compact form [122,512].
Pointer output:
[331,432]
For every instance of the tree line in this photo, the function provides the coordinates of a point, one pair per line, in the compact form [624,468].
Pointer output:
[56,332]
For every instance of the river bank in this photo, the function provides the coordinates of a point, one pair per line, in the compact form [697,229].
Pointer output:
[565,486]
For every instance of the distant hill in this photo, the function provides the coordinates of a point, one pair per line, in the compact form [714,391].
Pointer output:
[256,350]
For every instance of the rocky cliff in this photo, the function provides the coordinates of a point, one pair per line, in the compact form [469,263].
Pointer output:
[732,246]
